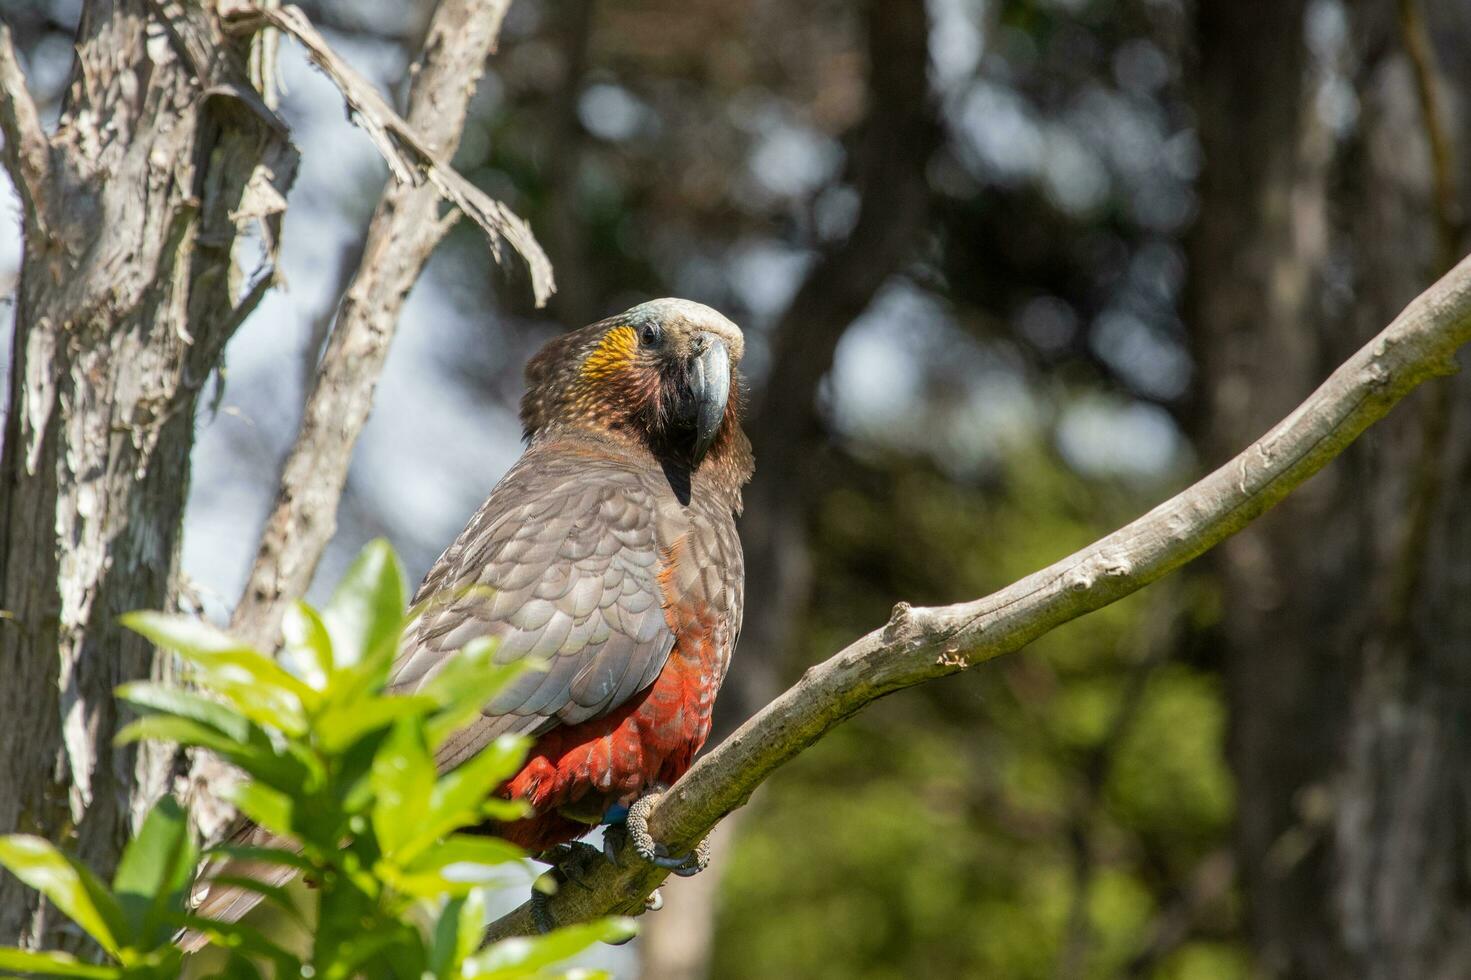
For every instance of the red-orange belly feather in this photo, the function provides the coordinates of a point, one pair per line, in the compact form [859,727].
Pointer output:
[615,759]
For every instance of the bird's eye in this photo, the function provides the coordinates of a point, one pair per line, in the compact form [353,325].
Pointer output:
[649,335]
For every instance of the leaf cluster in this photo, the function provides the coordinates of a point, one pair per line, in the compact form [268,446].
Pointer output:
[340,772]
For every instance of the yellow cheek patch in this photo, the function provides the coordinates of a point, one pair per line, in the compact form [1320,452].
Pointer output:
[613,355]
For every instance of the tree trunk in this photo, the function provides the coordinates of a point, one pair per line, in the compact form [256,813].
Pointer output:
[1345,614]
[128,294]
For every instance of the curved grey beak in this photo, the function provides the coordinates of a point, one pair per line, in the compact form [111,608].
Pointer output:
[710,386]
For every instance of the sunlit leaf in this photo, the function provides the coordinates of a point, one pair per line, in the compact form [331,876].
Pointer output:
[504,811]
[467,682]
[457,934]
[459,794]
[186,704]
[263,704]
[467,849]
[30,964]
[307,648]
[69,884]
[343,724]
[513,958]
[380,948]
[214,652]
[365,614]
[153,876]
[269,808]
[456,866]
[403,785]
[257,761]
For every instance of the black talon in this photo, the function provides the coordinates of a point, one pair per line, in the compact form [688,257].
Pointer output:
[541,896]
[614,837]
[569,864]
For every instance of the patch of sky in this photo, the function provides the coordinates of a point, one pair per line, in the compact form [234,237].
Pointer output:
[907,378]
[611,112]
[1105,435]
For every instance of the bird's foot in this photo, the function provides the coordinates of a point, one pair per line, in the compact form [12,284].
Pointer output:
[635,829]
[570,863]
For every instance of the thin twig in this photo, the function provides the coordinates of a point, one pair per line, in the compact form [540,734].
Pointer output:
[26,155]
[918,645]
[411,157]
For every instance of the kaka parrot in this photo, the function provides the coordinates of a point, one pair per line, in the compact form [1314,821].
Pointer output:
[609,554]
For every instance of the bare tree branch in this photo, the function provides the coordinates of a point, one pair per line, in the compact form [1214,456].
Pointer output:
[411,157]
[918,645]
[27,152]
[404,230]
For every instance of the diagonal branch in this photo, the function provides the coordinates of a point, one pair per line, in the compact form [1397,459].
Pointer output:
[411,157]
[918,645]
[26,155]
[404,230]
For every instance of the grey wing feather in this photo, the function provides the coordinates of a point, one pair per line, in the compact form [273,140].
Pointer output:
[561,565]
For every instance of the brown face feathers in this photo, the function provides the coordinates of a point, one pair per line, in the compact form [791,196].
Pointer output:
[663,375]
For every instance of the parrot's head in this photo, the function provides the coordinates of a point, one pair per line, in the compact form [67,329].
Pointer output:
[665,373]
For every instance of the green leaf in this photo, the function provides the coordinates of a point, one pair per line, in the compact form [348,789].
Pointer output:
[267,855]
[462,790]
[365,614]
[467,682]
[467,849]
[307,650]
[263,704]
[238,967]
[69,885]
[184,704]
[515,958]
[504,811]
[460,793]
[340,725]
[217,654]
[384,948]
[30,964]
[268,807]
[152,880]
[403,784]
[255,760]
[184,731]
[244,939]
[457,934]
[460,864]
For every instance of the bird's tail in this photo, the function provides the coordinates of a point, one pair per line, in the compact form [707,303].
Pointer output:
[217,895]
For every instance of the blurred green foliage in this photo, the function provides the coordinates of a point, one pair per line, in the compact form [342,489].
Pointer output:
[1033,818]
[342,774]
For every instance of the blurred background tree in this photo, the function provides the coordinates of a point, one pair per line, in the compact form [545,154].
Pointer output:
[1011,270]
